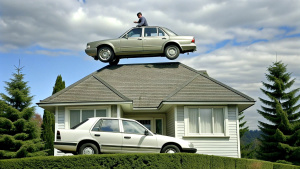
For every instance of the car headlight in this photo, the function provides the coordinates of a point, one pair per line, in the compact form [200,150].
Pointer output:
[88,46]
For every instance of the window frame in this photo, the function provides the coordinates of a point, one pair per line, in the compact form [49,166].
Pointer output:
[68,111]
[213,134]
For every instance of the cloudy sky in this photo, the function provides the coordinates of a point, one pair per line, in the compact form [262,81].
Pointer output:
[236,39]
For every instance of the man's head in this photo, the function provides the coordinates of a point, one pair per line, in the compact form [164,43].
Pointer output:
[139,14]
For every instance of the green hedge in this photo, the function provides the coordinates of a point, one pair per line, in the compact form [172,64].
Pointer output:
[163,161]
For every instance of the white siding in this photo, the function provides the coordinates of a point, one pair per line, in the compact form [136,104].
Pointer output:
[170,123]
[180,122]
[61,118]
[219,146]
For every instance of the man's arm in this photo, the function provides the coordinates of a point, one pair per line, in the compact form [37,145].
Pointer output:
[141,21]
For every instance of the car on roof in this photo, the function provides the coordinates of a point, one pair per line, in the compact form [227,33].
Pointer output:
[141,42]
[116,135]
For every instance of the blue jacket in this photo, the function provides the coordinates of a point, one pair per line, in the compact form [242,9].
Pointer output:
[142,22]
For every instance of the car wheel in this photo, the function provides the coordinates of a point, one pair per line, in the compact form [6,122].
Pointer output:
[170,149]
[115,61]
[105,54]
[172,52]
[88,149]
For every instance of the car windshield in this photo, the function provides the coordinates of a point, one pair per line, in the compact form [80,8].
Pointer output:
[169,32]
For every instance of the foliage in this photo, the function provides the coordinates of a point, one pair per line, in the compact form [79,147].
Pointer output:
[37,118]
[48,126]
[47,132]
[18,92]
[59,85]
[281,139]
[246,151]
[19,134]
[179,160]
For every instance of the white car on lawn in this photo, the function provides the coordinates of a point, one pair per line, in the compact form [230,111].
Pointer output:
[116,135]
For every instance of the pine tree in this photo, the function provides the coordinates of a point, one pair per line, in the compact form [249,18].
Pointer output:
[19,134]
[245,148]
[59,85]
[48,126]
[280,140]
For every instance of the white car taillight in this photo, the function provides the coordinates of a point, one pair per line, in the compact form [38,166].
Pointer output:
[88,46]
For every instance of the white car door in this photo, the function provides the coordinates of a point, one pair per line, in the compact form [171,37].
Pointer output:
[135,140]
[107,133]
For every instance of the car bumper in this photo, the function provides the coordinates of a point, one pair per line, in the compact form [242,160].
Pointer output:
[189,48]
[91,52]
[189,150]
[65,146]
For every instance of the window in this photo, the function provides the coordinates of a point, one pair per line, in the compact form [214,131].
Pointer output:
[150,32]
[136,32]
[132,127]
[160,33]
[79,115]
[205,121]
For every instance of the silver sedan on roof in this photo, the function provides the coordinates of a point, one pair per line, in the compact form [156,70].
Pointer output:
[141,42]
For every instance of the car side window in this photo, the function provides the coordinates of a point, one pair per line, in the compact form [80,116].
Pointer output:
[107,125]
[150,32]
[161,33]
[136,32]
[132,127]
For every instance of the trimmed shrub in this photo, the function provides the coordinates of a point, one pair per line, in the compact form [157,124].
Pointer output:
[158,161]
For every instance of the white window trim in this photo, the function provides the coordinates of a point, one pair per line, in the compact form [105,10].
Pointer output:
[68,109]
[186,122]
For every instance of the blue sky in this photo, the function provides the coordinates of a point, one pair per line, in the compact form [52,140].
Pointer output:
[236,40]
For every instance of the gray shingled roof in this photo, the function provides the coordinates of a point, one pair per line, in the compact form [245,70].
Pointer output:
[147,85]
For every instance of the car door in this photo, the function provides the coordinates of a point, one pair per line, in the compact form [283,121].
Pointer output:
[154,40]
[107,133]
[132,42]
[135,140]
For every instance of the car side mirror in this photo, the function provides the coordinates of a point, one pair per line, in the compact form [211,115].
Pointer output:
[146,132]
[126,36]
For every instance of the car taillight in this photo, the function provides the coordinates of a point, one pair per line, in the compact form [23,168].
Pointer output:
[193,41]
[58,135]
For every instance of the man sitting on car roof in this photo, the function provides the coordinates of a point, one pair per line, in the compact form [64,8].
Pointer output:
[142,20]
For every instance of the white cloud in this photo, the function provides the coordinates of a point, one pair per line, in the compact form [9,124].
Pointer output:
[64,27]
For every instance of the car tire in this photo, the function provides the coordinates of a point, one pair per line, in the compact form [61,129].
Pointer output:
[88,149]
[105,54]
[170,149]
[115,61]
[172,52]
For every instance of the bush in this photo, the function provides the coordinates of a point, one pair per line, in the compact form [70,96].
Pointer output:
[180,160]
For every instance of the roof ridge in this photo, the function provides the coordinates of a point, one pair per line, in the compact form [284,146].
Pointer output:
[112,88]
[180,87]
[218,82]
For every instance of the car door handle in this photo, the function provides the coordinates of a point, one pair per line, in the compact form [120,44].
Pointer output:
[127,137]
[140,39]
[164,38]
[97,135]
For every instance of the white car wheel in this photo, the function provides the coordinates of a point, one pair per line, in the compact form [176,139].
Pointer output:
[88,149]
[170,149]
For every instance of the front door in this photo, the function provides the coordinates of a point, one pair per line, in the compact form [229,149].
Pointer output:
[135,140]
[133,43]
[107,133]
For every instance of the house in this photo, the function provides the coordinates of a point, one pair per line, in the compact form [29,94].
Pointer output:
[168,98]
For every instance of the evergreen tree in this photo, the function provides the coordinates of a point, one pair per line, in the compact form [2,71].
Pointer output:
[19,134]
[48,126]
[246,152]
[280,140]
[59,85]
